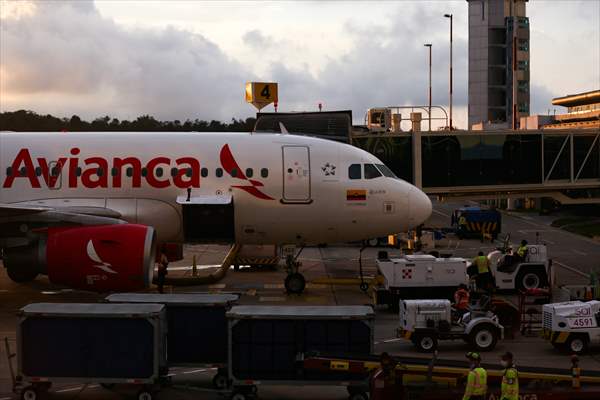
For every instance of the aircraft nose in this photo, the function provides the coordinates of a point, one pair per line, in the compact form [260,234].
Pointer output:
[420,207]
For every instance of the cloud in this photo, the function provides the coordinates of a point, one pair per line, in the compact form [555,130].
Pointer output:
[256,39]
[65,57]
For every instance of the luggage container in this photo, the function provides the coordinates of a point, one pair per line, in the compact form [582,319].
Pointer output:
[197,328]
[268,345]
[91,343]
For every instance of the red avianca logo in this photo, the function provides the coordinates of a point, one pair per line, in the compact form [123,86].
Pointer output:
[95,172]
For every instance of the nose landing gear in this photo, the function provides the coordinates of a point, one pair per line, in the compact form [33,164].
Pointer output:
[294,282]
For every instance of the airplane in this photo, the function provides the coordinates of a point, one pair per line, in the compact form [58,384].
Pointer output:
[90,209]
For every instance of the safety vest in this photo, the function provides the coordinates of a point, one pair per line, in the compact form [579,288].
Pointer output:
[483,265]
[510,384]
[476,383]
[462,221]
[461,299]
[521,251]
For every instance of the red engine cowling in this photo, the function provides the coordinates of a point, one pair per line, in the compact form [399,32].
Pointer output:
[103,258]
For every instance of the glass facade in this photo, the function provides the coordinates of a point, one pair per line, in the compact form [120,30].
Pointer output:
[487,159]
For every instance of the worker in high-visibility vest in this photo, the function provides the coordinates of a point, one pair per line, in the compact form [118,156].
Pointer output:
[522,250]
[476,380]
[510,378]
[484,278]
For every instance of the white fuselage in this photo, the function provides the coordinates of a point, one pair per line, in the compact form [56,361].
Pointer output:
[299,190]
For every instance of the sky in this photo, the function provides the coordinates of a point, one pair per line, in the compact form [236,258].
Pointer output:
[190,59]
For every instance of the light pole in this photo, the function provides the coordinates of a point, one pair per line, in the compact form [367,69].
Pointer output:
[429,111]
[450,16]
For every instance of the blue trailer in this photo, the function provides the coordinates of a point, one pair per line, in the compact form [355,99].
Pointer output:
[476,222]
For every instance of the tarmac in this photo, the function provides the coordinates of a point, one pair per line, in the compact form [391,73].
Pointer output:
[574,256]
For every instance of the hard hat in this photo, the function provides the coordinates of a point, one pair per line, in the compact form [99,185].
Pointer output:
[473,355]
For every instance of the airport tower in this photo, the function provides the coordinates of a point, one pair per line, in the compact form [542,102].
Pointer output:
[498,63]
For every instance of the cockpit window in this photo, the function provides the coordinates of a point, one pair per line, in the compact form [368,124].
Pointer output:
[371,172]
[354,171]
[386,171]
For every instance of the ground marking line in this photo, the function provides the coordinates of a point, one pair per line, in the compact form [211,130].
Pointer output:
[579,252]
[441,213]
[194,371]
[572,269]
[392,340]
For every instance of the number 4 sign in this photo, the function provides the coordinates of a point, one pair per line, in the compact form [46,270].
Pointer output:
[261,94]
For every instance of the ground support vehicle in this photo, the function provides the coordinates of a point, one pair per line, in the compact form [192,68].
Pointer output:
[197,328]
[573,325]
[533,272]
[268,345]
[91,343]
[419,277]
[427,379]
[425,322]
[480,222]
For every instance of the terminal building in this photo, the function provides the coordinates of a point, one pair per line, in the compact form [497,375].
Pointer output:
[498,63]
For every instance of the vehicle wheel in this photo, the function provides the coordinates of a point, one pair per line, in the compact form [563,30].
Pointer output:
[145,394]
[577,344]
[295,283]
[21,275]
[374,242]
[236,267]
[29,393]
[364,286]
[238,396]
[359,396]
[529,279]
[483,337]
[220,381]
[426,343]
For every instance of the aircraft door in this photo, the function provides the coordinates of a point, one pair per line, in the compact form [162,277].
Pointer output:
[296,174]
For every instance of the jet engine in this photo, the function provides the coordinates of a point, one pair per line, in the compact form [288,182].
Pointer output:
[103,258]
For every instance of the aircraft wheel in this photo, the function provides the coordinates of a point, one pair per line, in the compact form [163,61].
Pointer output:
[295,283]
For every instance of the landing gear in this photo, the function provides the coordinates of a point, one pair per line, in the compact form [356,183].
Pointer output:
[294,282]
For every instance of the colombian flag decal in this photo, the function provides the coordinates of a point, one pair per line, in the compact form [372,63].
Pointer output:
[356,195]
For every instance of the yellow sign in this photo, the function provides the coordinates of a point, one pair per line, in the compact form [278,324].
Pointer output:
[261,94]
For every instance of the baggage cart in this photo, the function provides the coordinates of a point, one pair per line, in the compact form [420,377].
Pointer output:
[268,345]
[90,343]
[197,328]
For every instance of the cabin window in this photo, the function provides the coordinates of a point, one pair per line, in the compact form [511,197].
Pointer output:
[78,171]
[264,172]
[174,172]
[354,171]
[114,171]
[204,172]
[234,172]
[219,172]
[189,172]
[371,172]
[249,172]
[159,172]
[23,171]
[130,172]
[99,171]
[386,171]
[38,171]
[144,172]
[9,171]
